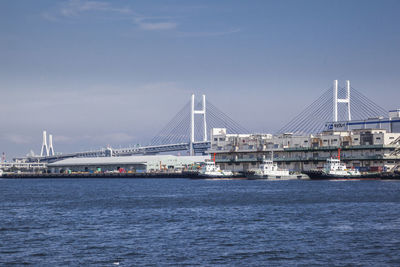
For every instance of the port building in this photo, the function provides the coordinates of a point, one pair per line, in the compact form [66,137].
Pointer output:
[127,163]
[369,145]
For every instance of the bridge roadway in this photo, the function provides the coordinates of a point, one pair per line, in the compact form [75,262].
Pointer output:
[199,147]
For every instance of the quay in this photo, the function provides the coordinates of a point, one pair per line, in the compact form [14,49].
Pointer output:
[154,175]
[185,175]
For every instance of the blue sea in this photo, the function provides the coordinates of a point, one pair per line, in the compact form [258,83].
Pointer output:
[147,222]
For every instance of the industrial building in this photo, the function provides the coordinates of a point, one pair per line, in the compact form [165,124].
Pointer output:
[127,163]
[367,149]
[371,144]
[23,166]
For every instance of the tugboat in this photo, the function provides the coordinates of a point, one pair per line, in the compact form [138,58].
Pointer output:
[334,170]
[210,170]
[269,170]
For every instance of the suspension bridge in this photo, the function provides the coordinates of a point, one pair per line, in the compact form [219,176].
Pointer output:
[188,129]
[336,104]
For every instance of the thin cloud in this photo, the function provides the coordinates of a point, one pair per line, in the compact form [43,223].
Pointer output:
[154,23]
[116,137]
[75,7]
[107,138]
[62,139]
[209,34]
[49,16]
[17,138]
[157,25]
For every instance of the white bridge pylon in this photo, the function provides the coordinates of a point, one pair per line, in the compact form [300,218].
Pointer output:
[193,112]
[47,150]
[337,100]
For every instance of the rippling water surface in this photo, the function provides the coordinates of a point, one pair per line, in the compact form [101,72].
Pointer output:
[199,222]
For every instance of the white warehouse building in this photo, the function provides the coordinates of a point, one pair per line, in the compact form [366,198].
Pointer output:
[128,163]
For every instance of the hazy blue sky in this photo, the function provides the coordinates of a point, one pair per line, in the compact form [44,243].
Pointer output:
[114,72]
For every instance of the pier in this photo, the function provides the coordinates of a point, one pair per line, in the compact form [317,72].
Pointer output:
[100,175]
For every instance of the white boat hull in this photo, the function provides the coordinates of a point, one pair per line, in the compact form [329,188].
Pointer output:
[276,177]
[215,175]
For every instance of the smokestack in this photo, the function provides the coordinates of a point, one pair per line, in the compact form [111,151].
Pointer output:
[45,148]
[51,149]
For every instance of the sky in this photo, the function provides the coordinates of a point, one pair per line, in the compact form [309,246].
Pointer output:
[94,73]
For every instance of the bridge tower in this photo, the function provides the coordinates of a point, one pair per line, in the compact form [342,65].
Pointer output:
[45,148]
[337,100]
[51,148]
[193,112]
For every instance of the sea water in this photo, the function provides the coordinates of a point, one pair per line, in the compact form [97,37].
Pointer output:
[126,222]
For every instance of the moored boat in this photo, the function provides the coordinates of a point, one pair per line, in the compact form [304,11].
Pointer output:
[335,169]
[211,170]
[269,170]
